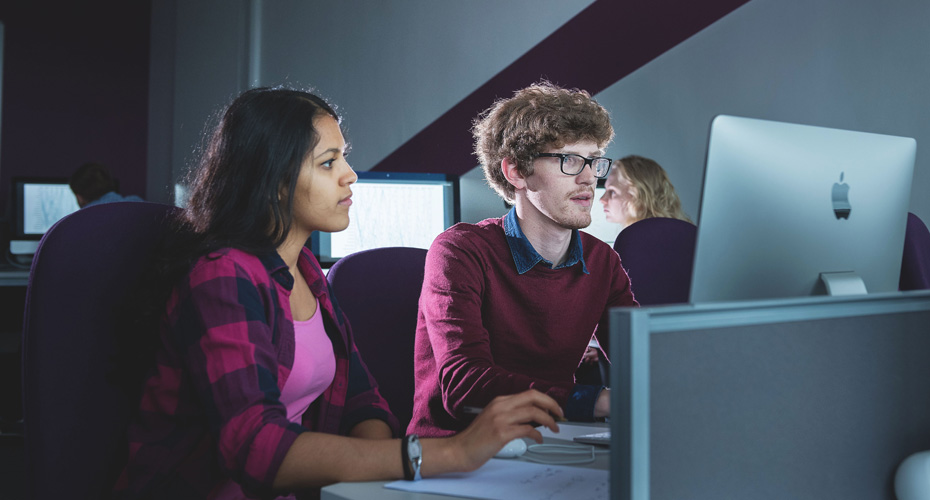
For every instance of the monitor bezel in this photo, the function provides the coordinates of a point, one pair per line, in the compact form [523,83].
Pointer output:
[17,220]
[368,176]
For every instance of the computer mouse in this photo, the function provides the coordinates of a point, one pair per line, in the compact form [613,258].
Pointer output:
[513,449]
[912,481]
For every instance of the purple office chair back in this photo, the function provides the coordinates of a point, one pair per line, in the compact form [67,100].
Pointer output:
[378,290]
[74,416]
[915,264]
[658,254]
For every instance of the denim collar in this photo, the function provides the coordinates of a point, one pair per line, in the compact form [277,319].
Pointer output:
[525,257]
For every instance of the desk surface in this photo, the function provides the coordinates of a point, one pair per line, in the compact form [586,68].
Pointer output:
[376,489]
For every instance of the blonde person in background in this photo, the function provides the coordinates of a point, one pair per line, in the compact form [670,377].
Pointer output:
[638,188]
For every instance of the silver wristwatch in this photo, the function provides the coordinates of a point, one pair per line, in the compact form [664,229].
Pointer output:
[414,455]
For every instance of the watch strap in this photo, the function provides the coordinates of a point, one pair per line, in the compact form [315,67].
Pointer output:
[405,458]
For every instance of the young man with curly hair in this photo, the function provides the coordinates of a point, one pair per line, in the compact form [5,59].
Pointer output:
[511,303]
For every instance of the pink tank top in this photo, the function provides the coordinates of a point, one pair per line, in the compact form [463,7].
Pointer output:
[313,371]
[314,366]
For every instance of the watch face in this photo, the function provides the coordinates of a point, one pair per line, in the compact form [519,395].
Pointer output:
[413,448]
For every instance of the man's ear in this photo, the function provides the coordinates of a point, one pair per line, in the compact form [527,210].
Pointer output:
[512,173]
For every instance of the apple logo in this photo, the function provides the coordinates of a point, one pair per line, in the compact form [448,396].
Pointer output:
[841,205]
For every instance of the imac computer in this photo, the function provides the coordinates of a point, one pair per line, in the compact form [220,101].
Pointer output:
[37,204]
[392,209]
[793,210]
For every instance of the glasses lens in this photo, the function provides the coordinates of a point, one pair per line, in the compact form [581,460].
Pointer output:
[601,166]
[572,164]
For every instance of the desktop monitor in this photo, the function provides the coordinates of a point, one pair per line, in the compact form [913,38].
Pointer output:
[793,210]
[392,209]
[37,204]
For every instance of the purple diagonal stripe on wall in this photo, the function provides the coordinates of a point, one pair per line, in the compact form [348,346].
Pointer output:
[602,44]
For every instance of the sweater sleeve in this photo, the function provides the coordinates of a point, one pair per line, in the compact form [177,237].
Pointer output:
[621,295]
[224,332]
[451,307]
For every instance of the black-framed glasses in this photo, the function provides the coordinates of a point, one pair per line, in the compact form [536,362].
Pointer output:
[572,164]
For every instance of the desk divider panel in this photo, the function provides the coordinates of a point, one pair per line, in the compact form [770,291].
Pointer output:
[815,398]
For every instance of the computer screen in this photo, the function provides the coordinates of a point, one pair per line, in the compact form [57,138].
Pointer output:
[793,210]
[393,209]
[38,203]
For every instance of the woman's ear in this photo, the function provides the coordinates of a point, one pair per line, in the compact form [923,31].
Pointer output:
[512,173]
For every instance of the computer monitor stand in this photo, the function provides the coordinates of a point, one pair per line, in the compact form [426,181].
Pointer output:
[845,283]
[21,253]
[24,247]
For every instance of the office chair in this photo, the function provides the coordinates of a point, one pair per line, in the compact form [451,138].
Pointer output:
[915,265]
[74,416]
[658,254]
[379,290]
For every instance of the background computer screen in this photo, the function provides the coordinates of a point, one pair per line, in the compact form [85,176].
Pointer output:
[783,203]
[38,203]
[393,209]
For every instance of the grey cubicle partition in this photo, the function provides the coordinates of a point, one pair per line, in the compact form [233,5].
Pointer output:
[801,398]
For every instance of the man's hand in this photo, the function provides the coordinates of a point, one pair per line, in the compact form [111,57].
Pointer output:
[602,406]
[590,355]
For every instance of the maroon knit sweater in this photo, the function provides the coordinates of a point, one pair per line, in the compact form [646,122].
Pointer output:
[484,330]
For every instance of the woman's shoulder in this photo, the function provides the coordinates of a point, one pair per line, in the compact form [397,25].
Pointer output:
[229,262]
[223,273]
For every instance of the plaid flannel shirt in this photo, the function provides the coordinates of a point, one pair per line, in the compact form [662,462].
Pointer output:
[211,409]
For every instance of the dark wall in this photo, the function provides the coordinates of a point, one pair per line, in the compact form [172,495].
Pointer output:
[75,89]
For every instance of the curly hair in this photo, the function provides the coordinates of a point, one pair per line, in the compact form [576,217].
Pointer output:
[655,195]
[538,117]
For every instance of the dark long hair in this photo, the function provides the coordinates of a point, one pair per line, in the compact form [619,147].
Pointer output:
[241,193]
[241,196]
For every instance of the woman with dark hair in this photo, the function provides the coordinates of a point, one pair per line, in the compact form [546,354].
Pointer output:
[257,388]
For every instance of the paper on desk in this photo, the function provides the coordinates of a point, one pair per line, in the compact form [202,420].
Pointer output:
[504,479]
[569,431]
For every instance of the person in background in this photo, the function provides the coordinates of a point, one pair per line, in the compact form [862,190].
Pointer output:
[638,188]
[511,303]
[92,184]
[254,385]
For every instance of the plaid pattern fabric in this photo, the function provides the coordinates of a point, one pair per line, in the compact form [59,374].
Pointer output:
[210,410]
